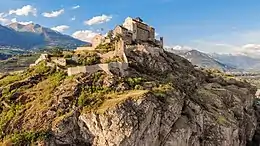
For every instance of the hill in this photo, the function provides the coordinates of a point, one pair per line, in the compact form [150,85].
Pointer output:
[161,100]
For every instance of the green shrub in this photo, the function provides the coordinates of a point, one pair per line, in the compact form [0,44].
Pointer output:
[104,48]
[27,138]
[89,58]
[222,120]
[10,79]
[114,59]
[132,82]
[39,69]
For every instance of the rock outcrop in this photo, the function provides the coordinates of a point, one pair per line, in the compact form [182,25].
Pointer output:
[173,105]
[199,110]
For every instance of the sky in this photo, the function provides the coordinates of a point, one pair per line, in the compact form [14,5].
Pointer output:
[220,26]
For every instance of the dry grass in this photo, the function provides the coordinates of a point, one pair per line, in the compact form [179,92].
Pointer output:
[115,99]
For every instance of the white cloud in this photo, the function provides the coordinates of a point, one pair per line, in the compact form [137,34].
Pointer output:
[53,13]
[24,11]
[4,20]
[21,22]
[252,50]
[98,20]
[60,28]
[73,18]
[251,46]
[76,7]
[84,35]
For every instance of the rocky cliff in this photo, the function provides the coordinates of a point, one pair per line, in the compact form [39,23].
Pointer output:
[163,100]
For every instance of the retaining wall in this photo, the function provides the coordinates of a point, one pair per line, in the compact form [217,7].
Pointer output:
[99,67]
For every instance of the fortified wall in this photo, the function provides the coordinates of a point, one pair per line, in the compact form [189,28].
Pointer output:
[52,61]
[133,34]
[109,68]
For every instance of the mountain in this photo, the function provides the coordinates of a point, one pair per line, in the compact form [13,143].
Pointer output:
[239,61]
[35,36]
[162,100]
[202,59]
[9,37]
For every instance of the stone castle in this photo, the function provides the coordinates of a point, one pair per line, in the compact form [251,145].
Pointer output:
[133,34]
[132,31]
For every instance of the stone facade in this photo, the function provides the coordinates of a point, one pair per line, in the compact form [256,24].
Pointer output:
[97,40]
[60,61]
[133,34]
[140,30]
[124,33]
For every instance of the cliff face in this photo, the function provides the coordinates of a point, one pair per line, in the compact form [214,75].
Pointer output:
[173,104]
[195,109]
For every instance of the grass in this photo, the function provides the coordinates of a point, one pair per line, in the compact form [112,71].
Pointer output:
[89,58]
[115,99]
[222,120]
[114,59]
[10,79]
[27,138]
[104,48]
[17,63]
[39,97]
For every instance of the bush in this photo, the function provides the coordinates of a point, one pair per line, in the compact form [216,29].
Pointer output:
[10,79]
[104,48]
[132,82]
[39,69]
[27,138]
[114,59]
[89,58]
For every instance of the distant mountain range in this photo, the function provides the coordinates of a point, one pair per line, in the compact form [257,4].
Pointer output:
[202,60]
[33,36]
[242,62]
[223,62]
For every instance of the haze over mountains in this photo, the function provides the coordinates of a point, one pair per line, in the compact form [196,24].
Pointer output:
[223,62]
[33,36]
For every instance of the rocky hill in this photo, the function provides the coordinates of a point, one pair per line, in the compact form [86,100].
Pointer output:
[163,100]
[34,36]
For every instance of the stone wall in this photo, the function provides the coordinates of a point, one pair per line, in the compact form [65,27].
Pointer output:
[125,34]
[41,58]
[99,67]
[59,61]
[97,40]
[107,55]
[85,49]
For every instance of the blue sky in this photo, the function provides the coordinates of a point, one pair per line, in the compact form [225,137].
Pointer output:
[224,26]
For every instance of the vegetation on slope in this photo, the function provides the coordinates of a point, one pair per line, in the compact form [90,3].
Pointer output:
[38,99]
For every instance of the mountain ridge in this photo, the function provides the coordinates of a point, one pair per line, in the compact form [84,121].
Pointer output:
[33,36]
[203,60]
